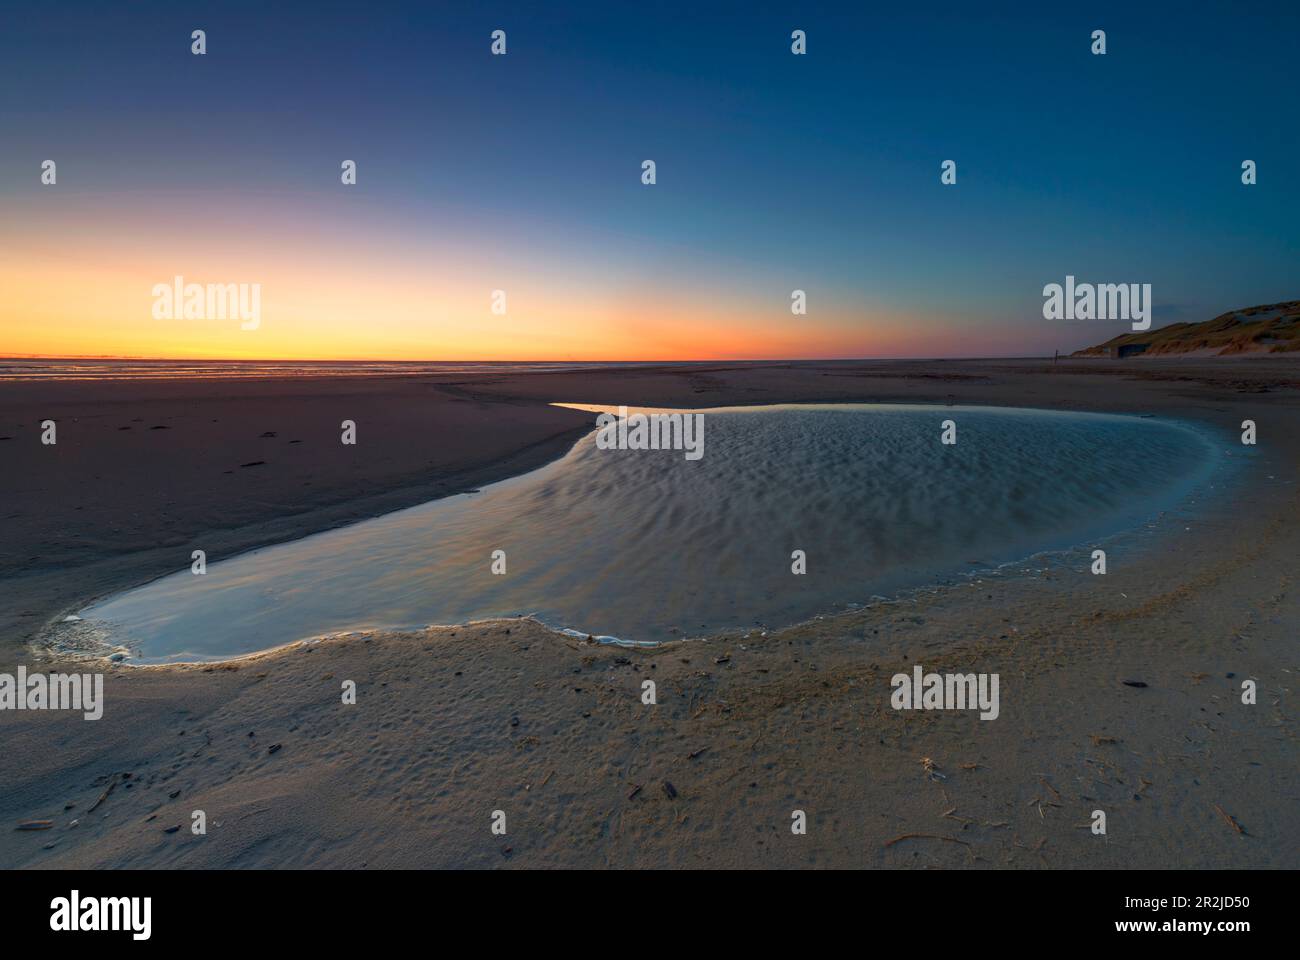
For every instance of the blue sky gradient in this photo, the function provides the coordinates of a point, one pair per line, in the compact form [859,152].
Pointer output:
[774,171]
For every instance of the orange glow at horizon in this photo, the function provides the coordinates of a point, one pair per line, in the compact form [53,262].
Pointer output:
[79,283]
[64,309]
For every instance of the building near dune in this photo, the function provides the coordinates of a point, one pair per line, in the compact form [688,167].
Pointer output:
[1122,350]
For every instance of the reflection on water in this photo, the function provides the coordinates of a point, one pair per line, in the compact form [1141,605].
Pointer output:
[639,544]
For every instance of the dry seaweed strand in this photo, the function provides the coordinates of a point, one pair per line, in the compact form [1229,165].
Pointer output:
[104,796]
[928,836]
[1232,821]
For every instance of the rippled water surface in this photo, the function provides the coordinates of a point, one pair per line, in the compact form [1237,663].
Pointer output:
[635,543]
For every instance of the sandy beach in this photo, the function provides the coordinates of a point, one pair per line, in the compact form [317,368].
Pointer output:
[452,724]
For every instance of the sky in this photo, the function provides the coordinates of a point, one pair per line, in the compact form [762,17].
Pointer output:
[523,173]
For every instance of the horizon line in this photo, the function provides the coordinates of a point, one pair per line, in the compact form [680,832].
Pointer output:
[142,359]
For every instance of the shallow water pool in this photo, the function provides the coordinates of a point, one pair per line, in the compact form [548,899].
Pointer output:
[646,545]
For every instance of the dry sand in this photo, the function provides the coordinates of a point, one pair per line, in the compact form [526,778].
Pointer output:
[452,724]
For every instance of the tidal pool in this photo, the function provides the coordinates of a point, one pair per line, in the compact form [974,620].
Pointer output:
[646,545]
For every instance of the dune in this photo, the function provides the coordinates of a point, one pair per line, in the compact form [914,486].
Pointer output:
[1267,328]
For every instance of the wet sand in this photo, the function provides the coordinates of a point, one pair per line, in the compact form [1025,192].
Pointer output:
[451,725]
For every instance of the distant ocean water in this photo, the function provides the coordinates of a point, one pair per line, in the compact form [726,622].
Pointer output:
[646,546]
[90,369]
